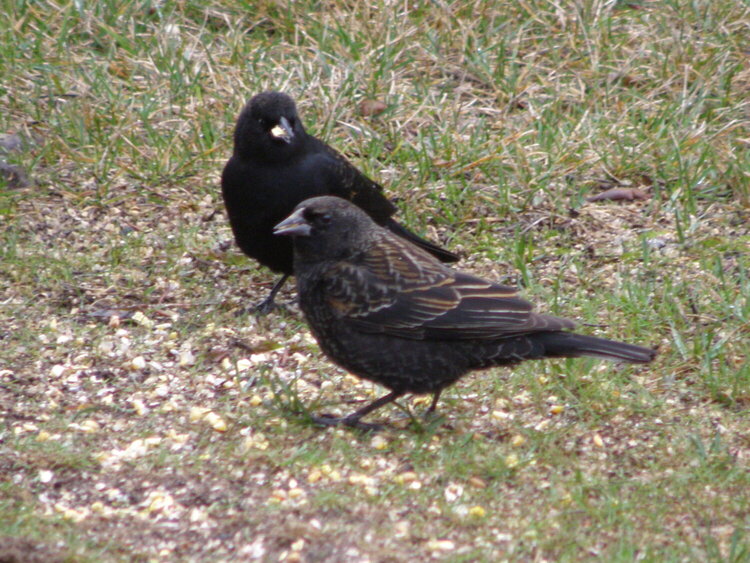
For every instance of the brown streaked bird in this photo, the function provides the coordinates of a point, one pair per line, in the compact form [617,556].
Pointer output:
[276,165]
[387,311]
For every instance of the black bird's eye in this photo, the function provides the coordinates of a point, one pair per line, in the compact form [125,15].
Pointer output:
[324,218]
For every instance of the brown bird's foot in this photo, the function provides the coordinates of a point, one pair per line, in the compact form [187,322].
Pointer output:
[351,422]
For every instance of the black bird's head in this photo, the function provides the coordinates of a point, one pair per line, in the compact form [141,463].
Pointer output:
[328,228]
[268,128]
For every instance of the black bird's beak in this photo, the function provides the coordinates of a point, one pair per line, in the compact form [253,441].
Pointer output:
[283,130]
[294,225]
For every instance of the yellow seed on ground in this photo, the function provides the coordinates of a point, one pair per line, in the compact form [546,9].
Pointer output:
[517,441]
[197,413]
[314,476]
[90,426]
[556,409]
[255,401]
[406,477]
[216,422]
[598,442]
[379,443]
[477,482]
[477,512]
[138,406]
[279,494]
[141,319]
[441,545]
[43,436]
[511,460]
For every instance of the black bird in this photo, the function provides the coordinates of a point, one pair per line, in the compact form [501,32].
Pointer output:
[276,165]
[389,312]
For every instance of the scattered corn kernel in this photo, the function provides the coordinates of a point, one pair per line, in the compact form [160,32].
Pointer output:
[138,406]
[477,512]
[255,401]
[556,409]
[216,422]
[379,443]
[511,460]
[598,442]
[187,358]
[296,492]
[406,477]
[441,545]
[517,441]
[243,364]
[141,319]
[197,413]
[477,482]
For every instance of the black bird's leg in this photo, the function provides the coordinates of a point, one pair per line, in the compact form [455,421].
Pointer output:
[265,306]
[353,421]
[434,403]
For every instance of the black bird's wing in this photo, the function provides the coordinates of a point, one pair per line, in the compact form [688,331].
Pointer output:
[397,289]
[344,180]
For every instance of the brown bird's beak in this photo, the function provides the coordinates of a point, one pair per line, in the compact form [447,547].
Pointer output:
[294,225]
[283,131]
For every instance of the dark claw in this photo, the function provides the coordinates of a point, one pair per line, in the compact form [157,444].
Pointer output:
[266,306]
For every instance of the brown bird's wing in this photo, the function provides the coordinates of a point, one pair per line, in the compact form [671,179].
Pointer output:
[397,289]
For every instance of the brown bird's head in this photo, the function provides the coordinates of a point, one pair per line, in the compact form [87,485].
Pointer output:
[268,128]
[328,228]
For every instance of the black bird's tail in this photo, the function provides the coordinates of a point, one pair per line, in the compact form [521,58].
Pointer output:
[572,345]
[439,253]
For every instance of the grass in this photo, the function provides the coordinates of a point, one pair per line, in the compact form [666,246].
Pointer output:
[143,420]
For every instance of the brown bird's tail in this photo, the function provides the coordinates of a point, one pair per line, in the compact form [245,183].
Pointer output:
[572,345]
[439,253]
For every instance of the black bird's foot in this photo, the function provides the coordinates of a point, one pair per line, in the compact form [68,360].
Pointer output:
[351,422]
[268,304]
[261,308]
[265,306]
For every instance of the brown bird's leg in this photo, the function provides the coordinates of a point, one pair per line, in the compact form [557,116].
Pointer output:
[353,421]
[265,306]
[434,403]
